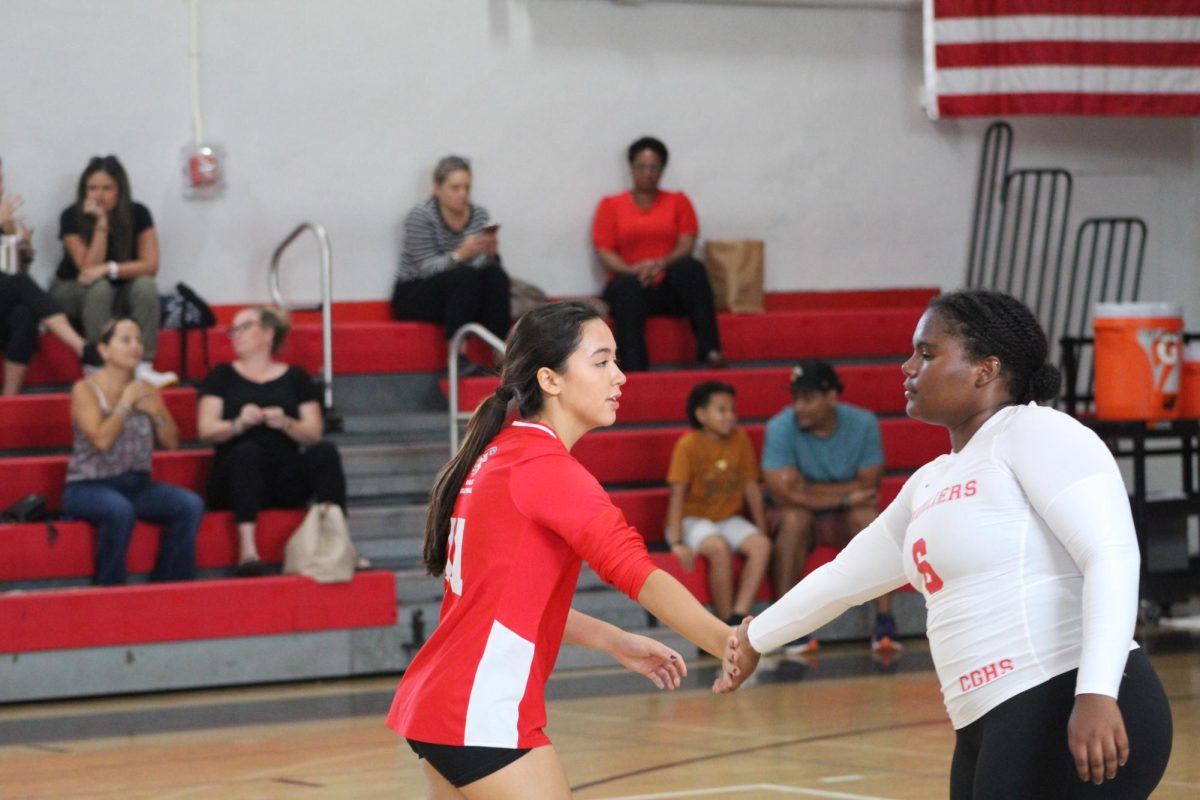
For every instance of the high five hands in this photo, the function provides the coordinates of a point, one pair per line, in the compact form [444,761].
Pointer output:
[739,660]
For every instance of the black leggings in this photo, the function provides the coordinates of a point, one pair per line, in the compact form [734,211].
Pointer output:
[457,296]
[22,305]
[1019,748]
[248,477]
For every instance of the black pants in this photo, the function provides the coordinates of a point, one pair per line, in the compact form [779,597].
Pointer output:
[248,477]
[455,297]
[1019,748]
[684,292]
[22,305]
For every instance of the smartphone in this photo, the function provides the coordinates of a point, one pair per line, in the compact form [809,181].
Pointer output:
[491,227]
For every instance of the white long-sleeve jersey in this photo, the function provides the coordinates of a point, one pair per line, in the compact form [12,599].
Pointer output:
[1024,548]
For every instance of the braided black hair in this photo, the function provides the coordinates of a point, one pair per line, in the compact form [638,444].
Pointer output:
[995,324]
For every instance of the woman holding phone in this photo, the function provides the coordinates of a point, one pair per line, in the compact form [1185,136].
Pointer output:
[450,270]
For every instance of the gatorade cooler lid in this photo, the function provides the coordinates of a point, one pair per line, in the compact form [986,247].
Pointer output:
[1141,310]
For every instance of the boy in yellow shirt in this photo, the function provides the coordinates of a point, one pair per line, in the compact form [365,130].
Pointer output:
[713,473]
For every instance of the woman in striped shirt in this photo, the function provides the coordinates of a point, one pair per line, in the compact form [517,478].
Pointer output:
[450,270]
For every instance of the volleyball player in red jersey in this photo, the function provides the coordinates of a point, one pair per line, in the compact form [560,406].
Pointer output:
[511,518]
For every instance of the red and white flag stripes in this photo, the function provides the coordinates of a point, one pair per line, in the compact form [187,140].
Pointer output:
[1102,57]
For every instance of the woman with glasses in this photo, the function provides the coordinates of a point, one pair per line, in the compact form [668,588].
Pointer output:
[264,416]
[645,237]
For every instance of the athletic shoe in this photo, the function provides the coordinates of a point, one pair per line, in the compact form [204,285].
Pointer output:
[883,636]
[804,646]
[734,619]
[146,372]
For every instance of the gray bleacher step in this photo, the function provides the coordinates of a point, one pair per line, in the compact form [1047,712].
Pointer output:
[96,671]
[393,392]
[392,468]
[415,426]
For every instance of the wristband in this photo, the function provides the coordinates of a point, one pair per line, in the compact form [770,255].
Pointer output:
[112,270]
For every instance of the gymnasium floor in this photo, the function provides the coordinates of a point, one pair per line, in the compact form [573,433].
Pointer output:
[841,726]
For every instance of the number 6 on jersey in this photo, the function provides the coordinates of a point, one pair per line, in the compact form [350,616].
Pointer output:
[454,555]
[933,581]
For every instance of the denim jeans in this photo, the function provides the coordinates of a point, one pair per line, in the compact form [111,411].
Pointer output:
[115,505]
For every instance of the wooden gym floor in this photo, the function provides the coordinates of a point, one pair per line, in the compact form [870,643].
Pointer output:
[841,726]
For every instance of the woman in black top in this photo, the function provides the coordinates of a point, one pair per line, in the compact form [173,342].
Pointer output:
[110,260]
[264,416]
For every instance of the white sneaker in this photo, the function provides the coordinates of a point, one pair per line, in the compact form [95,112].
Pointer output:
[145,372]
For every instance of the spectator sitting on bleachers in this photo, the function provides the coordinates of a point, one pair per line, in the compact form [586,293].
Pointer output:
[264,416]
[117,419]
[450,270]
[713,474]
[645,239]
[822,462]
[109,261]
[24,305]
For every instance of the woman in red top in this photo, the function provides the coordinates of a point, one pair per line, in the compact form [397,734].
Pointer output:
[511,518]
[645,239]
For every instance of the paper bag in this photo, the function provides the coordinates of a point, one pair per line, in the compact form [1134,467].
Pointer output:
[735,272]
[320,548]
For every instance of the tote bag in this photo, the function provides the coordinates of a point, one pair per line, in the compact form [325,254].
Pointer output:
[320,548]
[735,272]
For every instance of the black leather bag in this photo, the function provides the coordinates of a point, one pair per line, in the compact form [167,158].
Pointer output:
[187,311]
[30,508]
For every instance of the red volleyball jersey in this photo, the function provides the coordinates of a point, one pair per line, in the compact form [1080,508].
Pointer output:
[525,517]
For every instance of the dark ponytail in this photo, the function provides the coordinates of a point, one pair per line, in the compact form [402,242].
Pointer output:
[544,337]
[994,324]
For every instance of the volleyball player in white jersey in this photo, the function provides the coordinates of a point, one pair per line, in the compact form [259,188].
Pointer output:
[1022,543]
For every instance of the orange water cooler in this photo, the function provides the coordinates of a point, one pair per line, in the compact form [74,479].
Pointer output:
[1139,360]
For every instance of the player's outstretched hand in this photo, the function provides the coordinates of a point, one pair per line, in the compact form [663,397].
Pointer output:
[1097,738]
[739,660]
[645,656]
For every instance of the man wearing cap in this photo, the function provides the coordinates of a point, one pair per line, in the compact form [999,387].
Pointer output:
[822,462]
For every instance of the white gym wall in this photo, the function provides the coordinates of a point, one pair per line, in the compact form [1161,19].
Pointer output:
[798,125]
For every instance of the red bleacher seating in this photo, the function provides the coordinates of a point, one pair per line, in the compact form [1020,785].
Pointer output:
[642,456]
[367,341]
[45,475]
[916,297]
[29,551]
[830,325]
[762,392]
[32,421]
[646,509]
[170,612]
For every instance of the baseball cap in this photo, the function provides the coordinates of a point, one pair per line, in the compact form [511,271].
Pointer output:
[812,375]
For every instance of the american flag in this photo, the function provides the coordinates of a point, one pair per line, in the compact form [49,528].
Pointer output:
[1098,57]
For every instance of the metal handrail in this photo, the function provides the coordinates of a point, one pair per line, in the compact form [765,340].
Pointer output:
[456,416]
[326,296]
